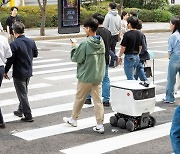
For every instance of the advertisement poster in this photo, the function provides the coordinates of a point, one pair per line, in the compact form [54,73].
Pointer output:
[70,12]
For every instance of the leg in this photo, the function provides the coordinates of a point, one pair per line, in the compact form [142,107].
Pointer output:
[1,78]
[175,131]
[82,91]
[141,73]
[106,87]
[112,53]
[21,86]
[98,106]
[130,63]
[172,71]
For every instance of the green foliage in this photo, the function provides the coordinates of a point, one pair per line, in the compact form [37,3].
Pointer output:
[175,10]
[155,4]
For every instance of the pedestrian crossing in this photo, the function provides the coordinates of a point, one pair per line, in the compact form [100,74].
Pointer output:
[51,85]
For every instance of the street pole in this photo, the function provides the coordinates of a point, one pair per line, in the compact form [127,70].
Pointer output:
[23,4]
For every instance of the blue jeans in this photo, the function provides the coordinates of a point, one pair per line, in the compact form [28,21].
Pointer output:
[114,57]
[175,131]
[131,62]
[173,69]
[105,87]
[140,72]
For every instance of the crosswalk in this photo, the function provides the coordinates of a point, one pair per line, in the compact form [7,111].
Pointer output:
[56,82]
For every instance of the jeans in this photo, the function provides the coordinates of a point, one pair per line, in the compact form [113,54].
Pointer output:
[1,78]
[173,69]
[131,62]
[105,87]
[140,72]
[175,131]
[112,53]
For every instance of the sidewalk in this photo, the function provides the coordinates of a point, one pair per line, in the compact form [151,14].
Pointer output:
[52,33]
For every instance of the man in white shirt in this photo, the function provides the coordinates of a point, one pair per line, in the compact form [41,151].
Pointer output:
[5,52]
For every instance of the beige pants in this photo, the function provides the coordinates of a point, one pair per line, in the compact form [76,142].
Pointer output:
[11,38]
[95,91]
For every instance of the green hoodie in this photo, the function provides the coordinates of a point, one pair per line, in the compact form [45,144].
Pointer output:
[90,59]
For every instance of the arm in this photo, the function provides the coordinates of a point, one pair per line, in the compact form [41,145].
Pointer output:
[78,53]
[121,53]
[8,52]
[106,22]
[35,50]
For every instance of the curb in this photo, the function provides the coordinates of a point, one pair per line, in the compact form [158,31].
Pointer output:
[64,36]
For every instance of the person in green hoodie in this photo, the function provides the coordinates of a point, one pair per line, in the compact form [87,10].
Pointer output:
[90,59]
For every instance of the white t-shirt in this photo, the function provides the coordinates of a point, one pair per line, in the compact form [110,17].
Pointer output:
[5,50]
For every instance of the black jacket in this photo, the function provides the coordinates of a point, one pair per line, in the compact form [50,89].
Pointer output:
[23,50]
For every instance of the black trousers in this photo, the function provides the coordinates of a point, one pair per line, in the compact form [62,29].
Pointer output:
[114,40]
[1,78]
[21,86]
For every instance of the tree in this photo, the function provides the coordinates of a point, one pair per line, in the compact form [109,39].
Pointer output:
[43,17]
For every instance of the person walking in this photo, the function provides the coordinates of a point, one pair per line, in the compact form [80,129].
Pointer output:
[23,49]
[174,62]
[10,21]
[175,131]
[106,36]
[5,52]
[90,59]
[124,28]
[112,22]
[144,55]
[131,46]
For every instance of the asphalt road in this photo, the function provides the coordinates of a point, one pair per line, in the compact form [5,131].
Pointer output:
[51,94]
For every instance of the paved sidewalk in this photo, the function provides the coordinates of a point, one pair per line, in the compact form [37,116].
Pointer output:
[52,33]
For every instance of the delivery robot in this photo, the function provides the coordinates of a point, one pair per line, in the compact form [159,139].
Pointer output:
[133,104]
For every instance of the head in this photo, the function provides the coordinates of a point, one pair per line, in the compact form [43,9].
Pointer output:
[18,28]
[139,26]
[124,15]
[112,6]
[99,17]
[90,26]
[133,13]
[14,11]
[132,22]
[175,24]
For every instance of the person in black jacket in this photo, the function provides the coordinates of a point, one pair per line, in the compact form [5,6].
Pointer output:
[23,49]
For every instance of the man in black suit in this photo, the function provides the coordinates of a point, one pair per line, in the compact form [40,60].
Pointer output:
[23,50]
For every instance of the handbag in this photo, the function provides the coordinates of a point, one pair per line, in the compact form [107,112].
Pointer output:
[148,71]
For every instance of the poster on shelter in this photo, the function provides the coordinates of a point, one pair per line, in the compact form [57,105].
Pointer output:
[70,12]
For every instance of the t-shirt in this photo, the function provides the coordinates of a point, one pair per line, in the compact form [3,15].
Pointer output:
[132,40]
[10,21]
[106,36]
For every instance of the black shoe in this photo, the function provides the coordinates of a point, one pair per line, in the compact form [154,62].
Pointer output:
[106,104]
[88,101]
[2,125]
[144,83]
[26,119]
[18,113]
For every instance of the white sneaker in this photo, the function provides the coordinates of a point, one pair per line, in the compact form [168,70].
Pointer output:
[70,121]
[99,129]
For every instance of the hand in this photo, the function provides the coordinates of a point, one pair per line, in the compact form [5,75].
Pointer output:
[73,44]
[6,76]
[120,60]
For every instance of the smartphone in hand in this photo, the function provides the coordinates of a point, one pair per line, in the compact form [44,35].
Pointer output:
[73,40]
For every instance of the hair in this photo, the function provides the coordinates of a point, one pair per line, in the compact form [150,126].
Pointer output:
[112,5]
[133,21]
[99,17]
[91,23]
[123,14]
[133,13]
[176,23]
[18,27]
[139,26]
[14,7]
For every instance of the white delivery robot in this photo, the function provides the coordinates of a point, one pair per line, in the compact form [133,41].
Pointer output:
[133,104]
